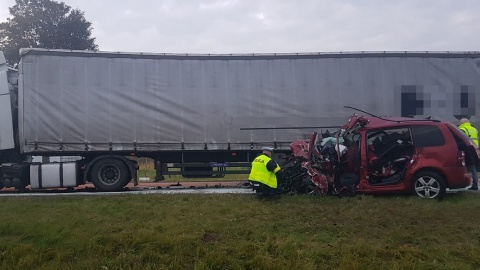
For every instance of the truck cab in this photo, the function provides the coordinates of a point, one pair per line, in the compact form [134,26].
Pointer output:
[8,78]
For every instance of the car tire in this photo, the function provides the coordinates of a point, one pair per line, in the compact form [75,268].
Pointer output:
[428,184]
[110,174]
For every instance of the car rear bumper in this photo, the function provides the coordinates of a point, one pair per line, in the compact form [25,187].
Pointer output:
[457,177]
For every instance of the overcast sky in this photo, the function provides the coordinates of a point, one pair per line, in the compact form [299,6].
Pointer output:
[280,26]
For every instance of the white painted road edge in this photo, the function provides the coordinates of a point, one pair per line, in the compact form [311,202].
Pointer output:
[136,192]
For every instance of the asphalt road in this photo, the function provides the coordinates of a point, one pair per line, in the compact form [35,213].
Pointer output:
[233,187]
[227,187]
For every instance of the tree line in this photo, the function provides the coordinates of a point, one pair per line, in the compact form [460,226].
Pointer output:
[44,24]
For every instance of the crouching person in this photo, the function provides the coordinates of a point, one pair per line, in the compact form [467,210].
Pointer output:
[263,176]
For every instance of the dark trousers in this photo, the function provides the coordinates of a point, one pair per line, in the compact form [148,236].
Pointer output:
[265,191]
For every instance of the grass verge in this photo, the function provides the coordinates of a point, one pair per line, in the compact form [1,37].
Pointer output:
[150,173]
[239,232]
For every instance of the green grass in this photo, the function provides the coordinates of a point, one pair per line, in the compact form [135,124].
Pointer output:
[239,232]
[150,173]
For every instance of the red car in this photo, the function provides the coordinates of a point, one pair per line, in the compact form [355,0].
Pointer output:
[384,155]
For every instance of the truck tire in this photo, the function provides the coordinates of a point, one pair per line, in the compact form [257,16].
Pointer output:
[110,174]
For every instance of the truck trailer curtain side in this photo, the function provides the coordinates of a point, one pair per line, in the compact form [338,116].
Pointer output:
[75,101]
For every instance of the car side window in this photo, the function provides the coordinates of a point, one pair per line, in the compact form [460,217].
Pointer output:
[384,140]
[427,136]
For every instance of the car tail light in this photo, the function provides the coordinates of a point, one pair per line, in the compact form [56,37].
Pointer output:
[461,159]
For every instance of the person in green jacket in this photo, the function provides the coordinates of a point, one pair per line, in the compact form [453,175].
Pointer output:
[472,133]
[264,172]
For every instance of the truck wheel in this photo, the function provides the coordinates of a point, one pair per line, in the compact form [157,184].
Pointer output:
[430,185]
[109,174]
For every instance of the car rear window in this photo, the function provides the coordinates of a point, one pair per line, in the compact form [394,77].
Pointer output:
[427,136]
[464,135]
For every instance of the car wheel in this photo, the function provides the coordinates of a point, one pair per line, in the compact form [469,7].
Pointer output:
[428,184]
[109,174]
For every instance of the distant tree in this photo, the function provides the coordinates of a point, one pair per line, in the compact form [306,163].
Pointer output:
[44,24]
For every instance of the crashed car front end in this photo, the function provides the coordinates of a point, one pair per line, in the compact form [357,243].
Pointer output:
[325,164]
[380,156]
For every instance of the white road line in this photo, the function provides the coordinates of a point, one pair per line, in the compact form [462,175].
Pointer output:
[132,192]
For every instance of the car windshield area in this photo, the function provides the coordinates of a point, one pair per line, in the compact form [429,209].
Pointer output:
[388,154]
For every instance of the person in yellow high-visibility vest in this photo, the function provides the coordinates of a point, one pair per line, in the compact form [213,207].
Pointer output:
[472,133]
[264,171]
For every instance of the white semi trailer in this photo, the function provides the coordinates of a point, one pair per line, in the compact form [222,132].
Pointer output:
[203,113]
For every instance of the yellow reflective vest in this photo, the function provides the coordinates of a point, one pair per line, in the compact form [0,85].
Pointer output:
[261,174]
[471,132]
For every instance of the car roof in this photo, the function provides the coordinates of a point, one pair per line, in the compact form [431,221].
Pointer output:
[388,122]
